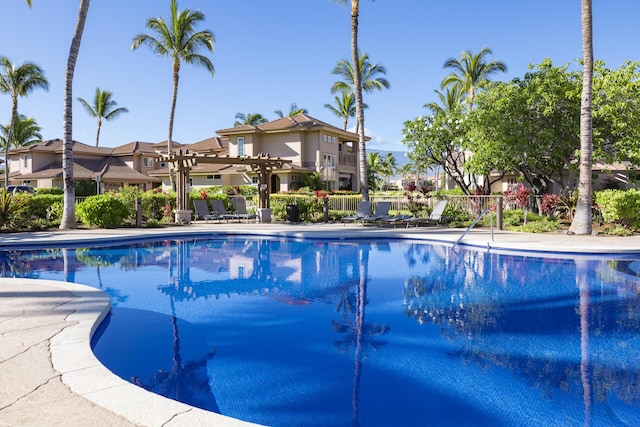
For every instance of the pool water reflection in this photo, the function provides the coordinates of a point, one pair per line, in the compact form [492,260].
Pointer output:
[332,333]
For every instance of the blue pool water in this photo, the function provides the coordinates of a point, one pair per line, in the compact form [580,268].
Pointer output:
[287,332]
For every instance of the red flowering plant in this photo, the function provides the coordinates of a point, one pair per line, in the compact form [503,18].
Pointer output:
[416,204]
[204,195]
[520,196]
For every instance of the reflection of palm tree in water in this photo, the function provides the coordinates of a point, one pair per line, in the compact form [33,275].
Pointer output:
[359,334]
[582,275]
[182,383]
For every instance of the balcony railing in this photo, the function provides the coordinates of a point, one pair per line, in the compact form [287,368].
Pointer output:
[348,159]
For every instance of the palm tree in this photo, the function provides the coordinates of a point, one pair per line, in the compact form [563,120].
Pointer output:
[470,70]
[103,108]
[178,40]
[18,82]
[25,132]
[251,119]
[293,111]
[68,219]
[449,101]
[345,107]
[357,90]
[582,220]
[370,75]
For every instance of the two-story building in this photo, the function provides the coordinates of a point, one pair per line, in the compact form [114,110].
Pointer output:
[310,144]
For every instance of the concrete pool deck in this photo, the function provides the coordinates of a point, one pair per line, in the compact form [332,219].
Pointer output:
[49,375]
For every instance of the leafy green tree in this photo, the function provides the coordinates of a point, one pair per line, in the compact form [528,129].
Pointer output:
[442,140]
[103,108]
[582,220]
[345,107]
[251,119]
[178,39]
[25,132]
[470,71]
[616,113]
[527,125]
[294,110]
[357,90]
[18,81]
[374,168]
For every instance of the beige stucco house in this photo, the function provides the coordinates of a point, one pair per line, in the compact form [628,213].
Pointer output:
[310,144]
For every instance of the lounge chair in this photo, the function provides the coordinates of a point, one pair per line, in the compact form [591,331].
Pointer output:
[381,213]
[434,218]
[218,208]
[202,211]
[240,207]
[363,209]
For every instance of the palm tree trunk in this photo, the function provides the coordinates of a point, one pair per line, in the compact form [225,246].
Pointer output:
[98,132]
[357,83]
[174,98]
[582,221]
[14,113]
[69,207]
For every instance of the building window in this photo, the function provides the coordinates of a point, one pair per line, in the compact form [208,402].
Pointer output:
[215,177]
[254,179]
[329,171]
[324,138]
[295,178]
[333,139]
[25,163]
[240,141]
[147,162]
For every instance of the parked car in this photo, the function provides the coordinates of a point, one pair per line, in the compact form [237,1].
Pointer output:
[20,189]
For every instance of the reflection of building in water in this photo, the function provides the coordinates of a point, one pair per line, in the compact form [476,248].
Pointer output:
[239,266]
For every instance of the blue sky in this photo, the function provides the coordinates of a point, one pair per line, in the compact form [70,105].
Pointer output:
[270,54]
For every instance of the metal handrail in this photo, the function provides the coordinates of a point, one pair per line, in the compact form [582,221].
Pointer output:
[474,223]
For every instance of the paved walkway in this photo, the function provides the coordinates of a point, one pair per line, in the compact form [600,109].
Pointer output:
[49,375]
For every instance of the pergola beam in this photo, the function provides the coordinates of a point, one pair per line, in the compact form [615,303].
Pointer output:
[182,162]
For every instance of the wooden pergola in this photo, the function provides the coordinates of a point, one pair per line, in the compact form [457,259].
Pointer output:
[182,162]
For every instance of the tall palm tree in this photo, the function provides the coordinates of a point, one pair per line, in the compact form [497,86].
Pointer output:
[103,108]
[251,119]
[470,70]
[345,107]
[18,82]
[68,219]
[449,100]
[25,132]
[357,90]
[582,220]
[293,111]
[370,77]
[178,39]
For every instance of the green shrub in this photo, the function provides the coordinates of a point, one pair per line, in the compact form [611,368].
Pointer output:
[14,209]
[620,207]
[40,204]
[104,211]
[40,191]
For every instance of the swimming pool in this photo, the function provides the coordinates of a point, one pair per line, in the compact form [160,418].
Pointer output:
[289,332]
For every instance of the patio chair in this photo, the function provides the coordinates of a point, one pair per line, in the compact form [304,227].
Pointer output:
[434,218]
[381,213]
[202,211]
[240,207]
[218,208]
[363,209]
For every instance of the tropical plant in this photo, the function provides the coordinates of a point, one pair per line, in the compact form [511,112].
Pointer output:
[177,39]
[25,132]
[18,82]
[103,108]
[345,107]
[357,90]
[69,204]
[449,100]
[470,71]
[370,74]
[582,220]
[103,210]
[293,111]
[251,119]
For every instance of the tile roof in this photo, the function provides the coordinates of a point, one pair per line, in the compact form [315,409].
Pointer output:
[109,169]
